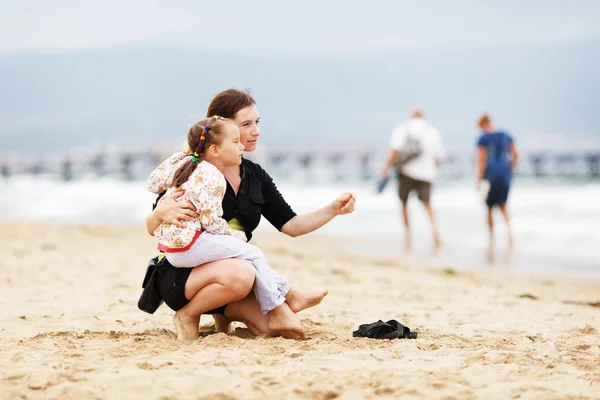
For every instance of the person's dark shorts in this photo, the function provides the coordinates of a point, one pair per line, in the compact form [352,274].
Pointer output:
[498,195]
[407,184]
[171,285]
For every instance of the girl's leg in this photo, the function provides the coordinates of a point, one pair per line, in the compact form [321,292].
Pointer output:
[266,291]
[216,247]
[297,300]
[282,283]
[222,246]
[209,286]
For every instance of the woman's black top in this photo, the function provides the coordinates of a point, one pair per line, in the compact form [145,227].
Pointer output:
[257,196]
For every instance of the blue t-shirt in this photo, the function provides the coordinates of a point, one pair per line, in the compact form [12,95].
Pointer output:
[497,171]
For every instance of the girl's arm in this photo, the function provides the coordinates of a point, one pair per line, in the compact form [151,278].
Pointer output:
[161,178]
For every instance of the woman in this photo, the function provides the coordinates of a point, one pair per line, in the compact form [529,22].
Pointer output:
[496,160]
[221,287]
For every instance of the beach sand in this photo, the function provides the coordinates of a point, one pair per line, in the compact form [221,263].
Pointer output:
[70,327]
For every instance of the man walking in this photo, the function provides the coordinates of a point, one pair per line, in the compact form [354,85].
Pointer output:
[416,151]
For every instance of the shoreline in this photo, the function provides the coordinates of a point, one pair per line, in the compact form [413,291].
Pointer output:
[383,247]
[471,258]
[549,231]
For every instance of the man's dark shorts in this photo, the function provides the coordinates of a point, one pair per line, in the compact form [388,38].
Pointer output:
[407,184]
[498,195]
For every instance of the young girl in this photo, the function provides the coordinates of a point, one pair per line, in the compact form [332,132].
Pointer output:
[215,145]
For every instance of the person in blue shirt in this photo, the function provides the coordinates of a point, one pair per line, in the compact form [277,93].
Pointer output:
[496,160]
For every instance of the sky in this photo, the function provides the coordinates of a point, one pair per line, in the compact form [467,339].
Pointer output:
[307,27]
[298,36]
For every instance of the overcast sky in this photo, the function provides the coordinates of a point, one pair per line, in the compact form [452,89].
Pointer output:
[306,27]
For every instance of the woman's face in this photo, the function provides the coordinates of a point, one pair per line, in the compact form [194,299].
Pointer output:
[247,120]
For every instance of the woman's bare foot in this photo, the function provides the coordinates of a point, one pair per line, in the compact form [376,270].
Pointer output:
[185,327]
[290,335]
[222,323]
[282,319]
[299,301]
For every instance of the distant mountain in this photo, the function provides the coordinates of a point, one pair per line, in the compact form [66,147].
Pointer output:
[144,93]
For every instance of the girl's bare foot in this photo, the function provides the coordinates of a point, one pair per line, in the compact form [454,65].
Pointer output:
[222,323]
[299,301]
[282,319]
[185,327]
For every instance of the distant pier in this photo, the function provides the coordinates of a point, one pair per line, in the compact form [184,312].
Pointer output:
[327,166]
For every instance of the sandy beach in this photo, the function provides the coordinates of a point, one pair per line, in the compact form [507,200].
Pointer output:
[70,327]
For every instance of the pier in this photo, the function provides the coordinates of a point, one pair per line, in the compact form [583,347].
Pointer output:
[326,166]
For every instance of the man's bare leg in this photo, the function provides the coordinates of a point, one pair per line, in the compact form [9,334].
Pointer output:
[437,242]
[506,216]
[407,233]
[490,222]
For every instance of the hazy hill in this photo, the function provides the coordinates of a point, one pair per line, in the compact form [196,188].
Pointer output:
[145,92]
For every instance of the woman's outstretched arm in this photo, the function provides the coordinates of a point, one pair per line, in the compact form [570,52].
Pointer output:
[279,213]
[305,223]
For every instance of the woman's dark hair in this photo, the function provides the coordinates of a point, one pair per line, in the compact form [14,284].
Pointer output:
[228,102]
[200,137]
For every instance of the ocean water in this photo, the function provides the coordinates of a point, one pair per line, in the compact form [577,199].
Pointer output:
[556,225]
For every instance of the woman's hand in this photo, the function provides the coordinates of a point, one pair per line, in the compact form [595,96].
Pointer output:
[344,204]
[174,212]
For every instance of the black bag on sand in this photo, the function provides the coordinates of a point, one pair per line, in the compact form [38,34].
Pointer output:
[384,330]
[150,299]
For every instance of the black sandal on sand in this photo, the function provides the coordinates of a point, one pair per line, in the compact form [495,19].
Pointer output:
[404,331]
[377,330]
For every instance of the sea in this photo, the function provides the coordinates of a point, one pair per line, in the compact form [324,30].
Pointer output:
[555,222]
